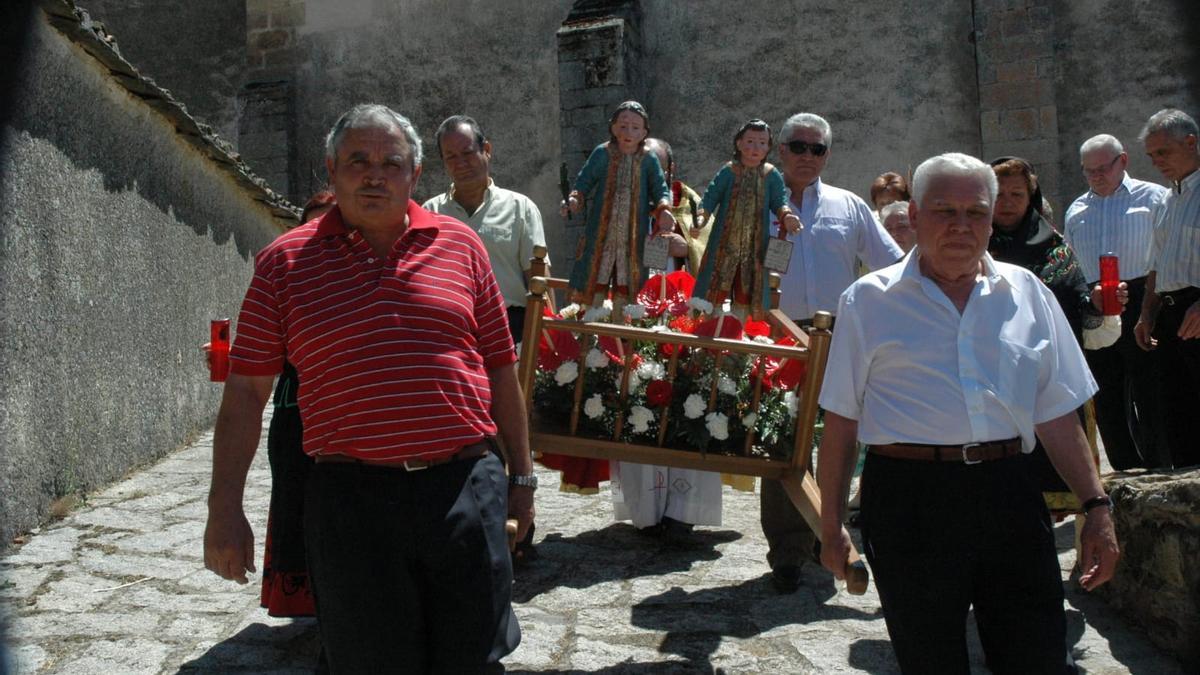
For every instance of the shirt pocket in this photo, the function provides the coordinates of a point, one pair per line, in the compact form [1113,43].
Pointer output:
[1017,379]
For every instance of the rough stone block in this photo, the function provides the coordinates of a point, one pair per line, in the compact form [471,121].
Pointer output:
[989,125]
[1048,120]
[1046,67]
[267,40]
[1019,124]
[130,656]
[1016,71]
[570,76]
[1157,517]
[1009,95]
[288,15]
[1014,23]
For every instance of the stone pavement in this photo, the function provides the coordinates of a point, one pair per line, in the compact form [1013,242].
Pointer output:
[118,586]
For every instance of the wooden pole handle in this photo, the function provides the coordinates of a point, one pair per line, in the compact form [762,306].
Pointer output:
[510,528]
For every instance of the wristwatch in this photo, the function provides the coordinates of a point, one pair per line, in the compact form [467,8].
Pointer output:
[529,481]
[1102,500]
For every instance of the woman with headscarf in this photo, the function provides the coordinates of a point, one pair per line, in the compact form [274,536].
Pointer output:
[1023,235]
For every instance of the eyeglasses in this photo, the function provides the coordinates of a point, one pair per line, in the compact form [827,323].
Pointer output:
[800,147]
[1101,170]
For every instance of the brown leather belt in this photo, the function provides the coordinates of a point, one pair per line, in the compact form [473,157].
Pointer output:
[969,453]
[466,452]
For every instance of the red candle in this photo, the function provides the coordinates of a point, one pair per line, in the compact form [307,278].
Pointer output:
[1110,278]
[218,350]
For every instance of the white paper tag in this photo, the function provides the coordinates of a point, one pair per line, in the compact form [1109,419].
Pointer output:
[779,255]
[656,255]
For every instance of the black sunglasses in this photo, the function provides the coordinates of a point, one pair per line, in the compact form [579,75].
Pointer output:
[800,147]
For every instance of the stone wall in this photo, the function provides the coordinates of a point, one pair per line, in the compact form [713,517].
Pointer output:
[119,239]
[1157,584]
[1117,63]
[197,50]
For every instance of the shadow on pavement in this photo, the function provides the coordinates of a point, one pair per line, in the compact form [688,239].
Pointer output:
[257,648]
[616,552]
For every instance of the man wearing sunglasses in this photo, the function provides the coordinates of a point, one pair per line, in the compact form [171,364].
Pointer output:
[839,230]
[1116,215]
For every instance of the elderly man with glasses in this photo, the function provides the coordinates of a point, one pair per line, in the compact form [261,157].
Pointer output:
[839,230]
[1116,215]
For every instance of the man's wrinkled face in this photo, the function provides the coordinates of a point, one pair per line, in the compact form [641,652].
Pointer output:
[466,161]
[1173,158]
[373,176]
[953,221]
[1104,170]
[801,169]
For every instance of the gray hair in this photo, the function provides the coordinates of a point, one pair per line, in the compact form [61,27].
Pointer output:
[894,207]
[1102,142]
[953,164]
[452,123]
[806,121]
[1177,124]
[372,116]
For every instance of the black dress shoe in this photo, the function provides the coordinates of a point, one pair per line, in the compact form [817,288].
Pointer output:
[786,579]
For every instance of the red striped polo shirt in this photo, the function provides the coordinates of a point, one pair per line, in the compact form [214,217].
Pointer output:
[392,353]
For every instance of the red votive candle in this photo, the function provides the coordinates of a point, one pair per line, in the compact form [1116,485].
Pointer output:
[1110,278]
[218,350]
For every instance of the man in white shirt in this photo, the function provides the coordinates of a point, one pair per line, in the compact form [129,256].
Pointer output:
[1116,215]
[946,364]
[839,230]
[508,222]
[1170,320]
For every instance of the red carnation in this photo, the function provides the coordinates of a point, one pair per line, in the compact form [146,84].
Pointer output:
[659,393]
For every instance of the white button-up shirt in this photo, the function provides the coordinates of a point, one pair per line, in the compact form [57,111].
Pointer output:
[510,225]
[1121,223]
[1175,258]
[839,228]
[910,369]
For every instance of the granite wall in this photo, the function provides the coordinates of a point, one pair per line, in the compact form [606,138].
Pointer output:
[119,240]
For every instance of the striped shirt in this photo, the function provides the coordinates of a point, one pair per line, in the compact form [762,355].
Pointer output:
[1121,223]
[393,354]
[1176,255]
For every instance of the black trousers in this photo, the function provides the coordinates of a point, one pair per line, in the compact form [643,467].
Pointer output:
[516,322]
[1128,404]
[411,570]
[1179,367]
[943,538]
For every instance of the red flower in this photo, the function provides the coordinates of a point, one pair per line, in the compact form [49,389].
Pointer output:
[791,372]
[666,349]
[556,346]
[683,324]
[659,393]
[755,329]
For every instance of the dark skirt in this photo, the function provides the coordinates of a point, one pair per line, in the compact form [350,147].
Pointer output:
[286,589]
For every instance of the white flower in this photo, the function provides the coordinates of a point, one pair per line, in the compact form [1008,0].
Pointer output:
[651,370]
[635,312]
[717,425]
[726,385]
[570,311]
[566,373]
[792,402]
[597,314]
[763,339]
[608,304]
[693,406]
[596,359]
[701,304]
[640,418]
[659,328]
[594,406]
[749,420]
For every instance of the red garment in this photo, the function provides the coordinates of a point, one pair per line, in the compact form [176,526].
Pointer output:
[394,353]
[284,593]
[579,474]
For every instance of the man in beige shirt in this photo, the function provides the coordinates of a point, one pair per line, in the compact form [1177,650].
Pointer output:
[508,222]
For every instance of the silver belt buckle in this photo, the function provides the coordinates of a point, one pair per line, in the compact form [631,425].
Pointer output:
[1167,299]
[967,460]
[420,466]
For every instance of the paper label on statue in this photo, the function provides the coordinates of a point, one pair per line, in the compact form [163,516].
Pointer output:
[779,255]
[657,253]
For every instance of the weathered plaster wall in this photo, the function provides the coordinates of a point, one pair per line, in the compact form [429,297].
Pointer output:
[895,79]
[197,50]
[118,242]
[1118,63]
[428,59]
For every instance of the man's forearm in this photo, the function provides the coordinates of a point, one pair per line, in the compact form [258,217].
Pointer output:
[1069,452]
[235,439]
[508,412]
[835,463]
[1149,299]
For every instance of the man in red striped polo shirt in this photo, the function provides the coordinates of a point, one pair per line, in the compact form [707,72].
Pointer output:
[398,330]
